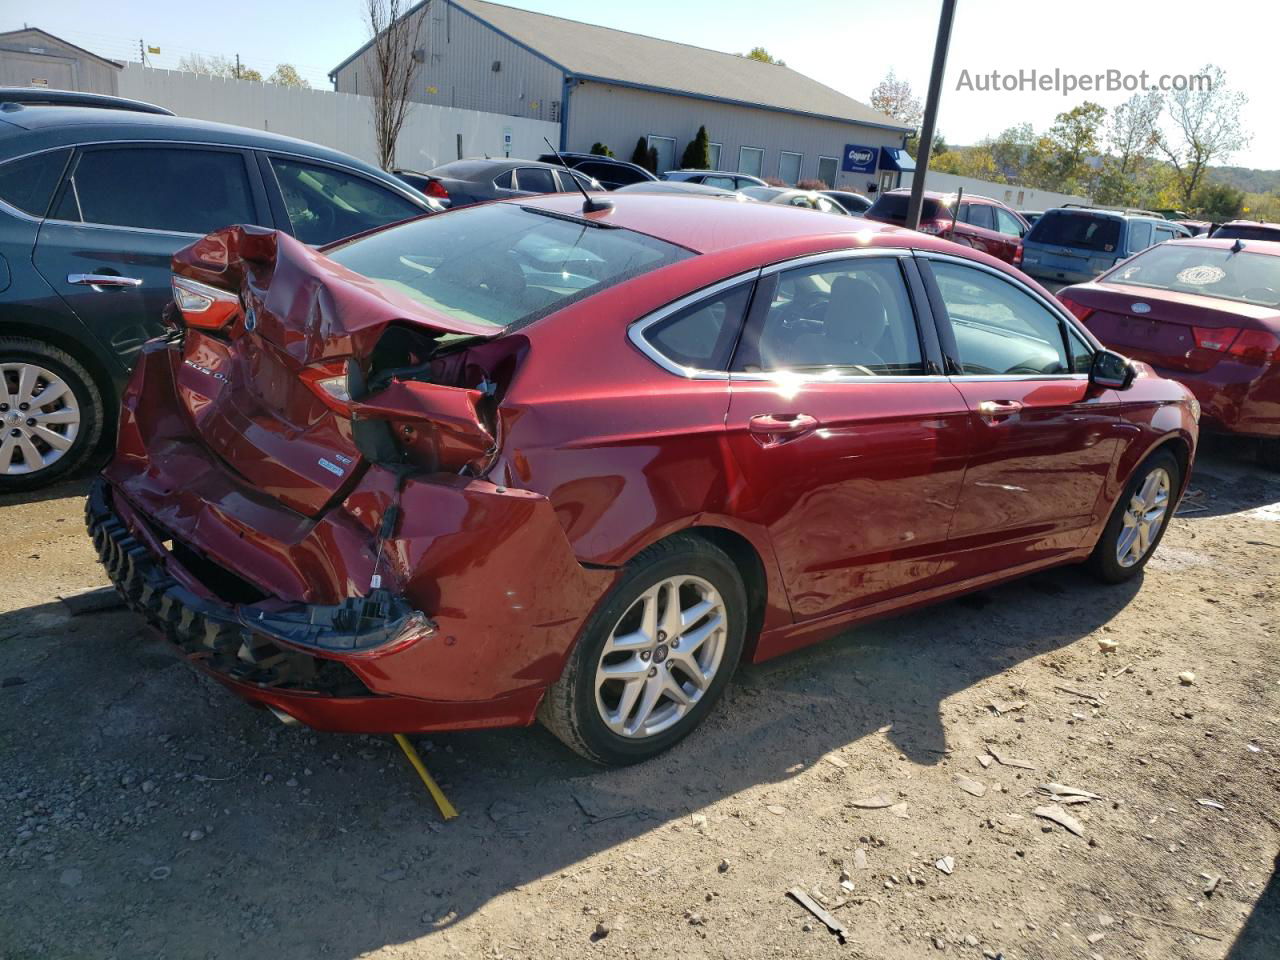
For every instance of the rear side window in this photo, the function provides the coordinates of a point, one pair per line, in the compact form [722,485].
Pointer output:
[1139,235]
[157,188]
[1083,230]
[28,184]
[999,329]
[702,336]
[326,204]
[849,317]
[503,180]
[980,215]
[536,180]
[1007,223]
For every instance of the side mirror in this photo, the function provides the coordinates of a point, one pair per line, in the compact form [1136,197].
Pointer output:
[1111,370]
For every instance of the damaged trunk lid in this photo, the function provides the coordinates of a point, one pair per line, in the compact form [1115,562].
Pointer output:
[288,363]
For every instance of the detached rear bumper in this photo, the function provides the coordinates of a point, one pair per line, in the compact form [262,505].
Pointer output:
[249,648]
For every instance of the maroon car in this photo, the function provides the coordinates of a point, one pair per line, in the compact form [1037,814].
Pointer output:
[544,459]
[979,222]
[1205,312]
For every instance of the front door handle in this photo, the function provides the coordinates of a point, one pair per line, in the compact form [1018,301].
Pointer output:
[772,429]
[998,409]
[100,281]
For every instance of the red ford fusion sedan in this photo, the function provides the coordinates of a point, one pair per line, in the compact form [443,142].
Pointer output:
[546,459]
[1203,312]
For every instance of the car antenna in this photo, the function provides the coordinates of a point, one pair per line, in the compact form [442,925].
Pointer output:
[589,205]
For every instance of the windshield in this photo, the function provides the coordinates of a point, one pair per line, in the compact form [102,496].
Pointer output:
[1084,230]
[501,264]
[1208,271]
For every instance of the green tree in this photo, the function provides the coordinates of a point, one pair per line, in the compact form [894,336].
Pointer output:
[600,150]
[976,162]
[763,55]
[894,98]
[640,154]
[697,152]
[1217,201]
[286,75]
[1073,143]
[1205,127]
[651,160]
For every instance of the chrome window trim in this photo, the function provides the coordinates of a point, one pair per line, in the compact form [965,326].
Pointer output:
[1052,304]
[844,254]
[635,332]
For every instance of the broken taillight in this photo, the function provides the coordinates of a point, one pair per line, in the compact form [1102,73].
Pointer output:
[203,306]
[328,381]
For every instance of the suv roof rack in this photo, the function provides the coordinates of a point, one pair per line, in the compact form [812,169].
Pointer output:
[1127,211]
[16,98]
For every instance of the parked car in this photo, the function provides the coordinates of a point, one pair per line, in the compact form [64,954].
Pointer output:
[1200,228]
[1205,312]
[715,178]
[1247,230]
[534,461]
[853,203]
[94,202]
[462,182]
[791,197]
[1075,244]
[685,188]
[610,171]
[979,222]
[1031,216]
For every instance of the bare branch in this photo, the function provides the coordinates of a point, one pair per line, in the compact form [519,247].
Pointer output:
[392,68]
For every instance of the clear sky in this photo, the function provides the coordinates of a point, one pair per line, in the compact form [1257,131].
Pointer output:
[846,44]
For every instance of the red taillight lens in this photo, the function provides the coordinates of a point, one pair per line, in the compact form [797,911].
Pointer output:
[437,190]
[1078,310]
[1017,256]
[935,227]
[1215,338]
[328,381]
[203,306]
[1255,346]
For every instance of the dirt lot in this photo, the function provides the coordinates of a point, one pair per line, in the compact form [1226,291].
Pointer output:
[147,813]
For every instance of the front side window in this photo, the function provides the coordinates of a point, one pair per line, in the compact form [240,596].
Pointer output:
[998,328]
[503,265]
[28,183]
[850,317]
[750,160]
[702,336]
[326,204]
[1208,271]
[158,188]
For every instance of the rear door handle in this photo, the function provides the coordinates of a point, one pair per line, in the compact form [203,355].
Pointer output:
[774,428]
[101,280]
[993,409]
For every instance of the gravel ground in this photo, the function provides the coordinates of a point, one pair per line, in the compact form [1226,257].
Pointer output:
[145,812]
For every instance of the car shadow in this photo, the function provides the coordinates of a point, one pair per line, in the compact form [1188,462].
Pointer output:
[1260,938]
[76,486]
[1228,479]
[360,840]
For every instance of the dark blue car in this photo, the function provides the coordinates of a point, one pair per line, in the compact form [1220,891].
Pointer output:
[96,195]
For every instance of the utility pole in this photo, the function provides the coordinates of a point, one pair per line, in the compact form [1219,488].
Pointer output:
[930,113]
[142,52]
[237,66]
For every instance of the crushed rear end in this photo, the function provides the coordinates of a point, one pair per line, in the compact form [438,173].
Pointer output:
[299,500]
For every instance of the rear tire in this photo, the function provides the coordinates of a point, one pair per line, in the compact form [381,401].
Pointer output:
[1139,519]
[51,414]
[630,689]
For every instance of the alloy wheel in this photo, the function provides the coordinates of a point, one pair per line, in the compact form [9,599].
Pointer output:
[1147,512]
[39,418]
[661,657]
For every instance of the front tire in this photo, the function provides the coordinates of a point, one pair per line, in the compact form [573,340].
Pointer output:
[1139,520]
[654,658]
[51,414]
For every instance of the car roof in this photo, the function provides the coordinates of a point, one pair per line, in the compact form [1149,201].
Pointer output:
[1270,247]
[683,220]
[39,128]
[1250,223]
[483,166]
[1116,214]
[596,158]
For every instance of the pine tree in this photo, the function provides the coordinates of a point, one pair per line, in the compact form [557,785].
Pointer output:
[697,153]
[641,153]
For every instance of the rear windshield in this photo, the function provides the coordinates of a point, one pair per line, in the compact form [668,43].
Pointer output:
[1208,271]
[1242,232]
[893,206]
[501,264]
[1084,230]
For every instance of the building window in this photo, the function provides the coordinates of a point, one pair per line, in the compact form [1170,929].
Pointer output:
[827,167]
[751,160]
[713,155]
[789,167]
[666,147]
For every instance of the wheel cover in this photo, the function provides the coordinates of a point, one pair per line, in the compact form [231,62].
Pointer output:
[39,417]
[1146,513]
[661,657]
